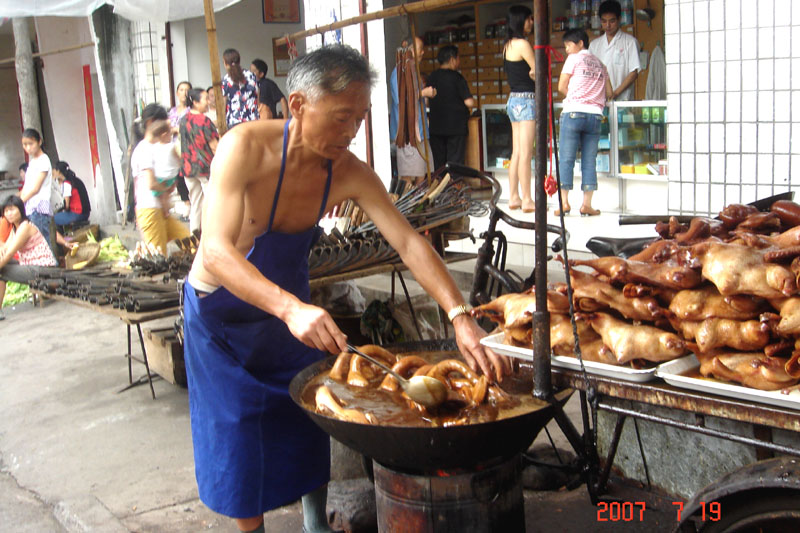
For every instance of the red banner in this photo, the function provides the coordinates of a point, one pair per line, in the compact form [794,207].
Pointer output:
[87,89]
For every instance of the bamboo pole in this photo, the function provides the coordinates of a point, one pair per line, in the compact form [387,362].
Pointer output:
[51,52]
[403,9]
[216,76]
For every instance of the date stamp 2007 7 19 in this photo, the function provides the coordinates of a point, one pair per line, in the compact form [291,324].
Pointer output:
[634,511]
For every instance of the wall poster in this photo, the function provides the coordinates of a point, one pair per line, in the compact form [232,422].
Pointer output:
[281,10]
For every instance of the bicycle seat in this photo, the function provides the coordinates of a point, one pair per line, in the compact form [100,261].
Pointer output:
[607,246]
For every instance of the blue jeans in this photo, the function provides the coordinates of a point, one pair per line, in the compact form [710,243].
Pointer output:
[68,217]
[42,222]
[579,130]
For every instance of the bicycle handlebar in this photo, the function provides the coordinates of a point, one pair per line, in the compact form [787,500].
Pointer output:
[469,172]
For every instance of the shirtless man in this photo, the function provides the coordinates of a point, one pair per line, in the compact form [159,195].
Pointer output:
[249,327]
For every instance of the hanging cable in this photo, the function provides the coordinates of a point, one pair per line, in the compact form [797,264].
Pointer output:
[591,392]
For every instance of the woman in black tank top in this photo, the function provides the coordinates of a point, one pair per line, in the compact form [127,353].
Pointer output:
[520,106]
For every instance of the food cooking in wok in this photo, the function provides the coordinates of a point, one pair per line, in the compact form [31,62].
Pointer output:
[725,289]
[355,390]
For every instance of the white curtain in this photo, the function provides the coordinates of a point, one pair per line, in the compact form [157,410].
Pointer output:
[144,10]
[164,10]
[42,8]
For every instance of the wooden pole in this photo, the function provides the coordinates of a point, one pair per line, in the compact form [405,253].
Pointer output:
[26,75]
[216,76]
[51,52]
[403,9]
[541,318]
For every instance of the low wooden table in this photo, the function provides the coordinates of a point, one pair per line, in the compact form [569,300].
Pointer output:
[130,318]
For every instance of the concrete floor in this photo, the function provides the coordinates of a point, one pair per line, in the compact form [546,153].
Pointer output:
[77,455]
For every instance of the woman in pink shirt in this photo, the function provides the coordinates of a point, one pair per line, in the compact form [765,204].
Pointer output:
[584,82]
[27,242]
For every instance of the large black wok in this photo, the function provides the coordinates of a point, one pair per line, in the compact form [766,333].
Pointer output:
[427,449]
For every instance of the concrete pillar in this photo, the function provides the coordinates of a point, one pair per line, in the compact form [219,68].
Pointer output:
[26,74]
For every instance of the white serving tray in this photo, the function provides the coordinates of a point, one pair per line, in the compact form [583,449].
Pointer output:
[672,372]
[495,342]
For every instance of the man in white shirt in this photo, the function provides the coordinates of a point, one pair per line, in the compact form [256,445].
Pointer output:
[618,50]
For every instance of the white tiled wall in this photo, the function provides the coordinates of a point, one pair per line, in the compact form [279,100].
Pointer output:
[733,96]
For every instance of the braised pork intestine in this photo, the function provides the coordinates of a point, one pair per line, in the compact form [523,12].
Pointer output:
[471,398]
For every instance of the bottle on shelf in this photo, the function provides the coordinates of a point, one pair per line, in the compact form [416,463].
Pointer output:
[627,12]
[655,115]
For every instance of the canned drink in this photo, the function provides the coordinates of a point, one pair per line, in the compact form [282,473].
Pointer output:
[655,115]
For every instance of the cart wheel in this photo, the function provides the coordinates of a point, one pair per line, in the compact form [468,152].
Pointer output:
[776,511]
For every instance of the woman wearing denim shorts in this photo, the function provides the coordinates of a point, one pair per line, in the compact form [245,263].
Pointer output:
[584,82]
[519,65]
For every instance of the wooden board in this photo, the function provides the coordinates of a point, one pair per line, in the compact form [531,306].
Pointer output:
[165,355]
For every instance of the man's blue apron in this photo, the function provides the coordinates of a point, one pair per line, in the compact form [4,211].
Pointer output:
[254,449]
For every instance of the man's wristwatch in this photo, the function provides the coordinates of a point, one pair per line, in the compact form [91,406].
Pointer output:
[458,311]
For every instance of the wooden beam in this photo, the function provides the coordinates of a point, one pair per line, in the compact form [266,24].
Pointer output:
[403,9]
[59,51]
[216,76]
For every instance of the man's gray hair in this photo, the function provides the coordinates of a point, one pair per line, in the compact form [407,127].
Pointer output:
[329,70]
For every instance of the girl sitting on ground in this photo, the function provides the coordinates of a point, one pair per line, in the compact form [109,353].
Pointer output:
[76,199]
[25,239]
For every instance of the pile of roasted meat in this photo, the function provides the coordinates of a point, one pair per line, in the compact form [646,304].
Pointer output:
[724,288]
[355,390]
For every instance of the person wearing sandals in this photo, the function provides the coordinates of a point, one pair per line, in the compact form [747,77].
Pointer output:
[519,65]
[584,83]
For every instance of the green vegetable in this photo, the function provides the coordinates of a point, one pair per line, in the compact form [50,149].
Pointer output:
[112,250]
[16,293]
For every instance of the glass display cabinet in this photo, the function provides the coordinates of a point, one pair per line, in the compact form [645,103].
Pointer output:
[641,134]
[496,137]
[633,145]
